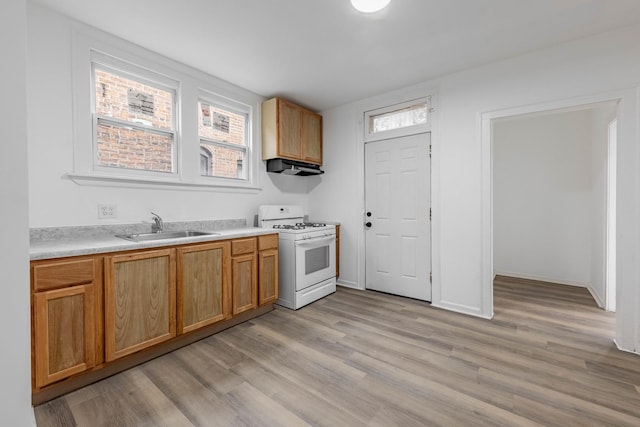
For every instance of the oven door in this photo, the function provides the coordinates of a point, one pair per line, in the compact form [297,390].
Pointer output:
[315,260]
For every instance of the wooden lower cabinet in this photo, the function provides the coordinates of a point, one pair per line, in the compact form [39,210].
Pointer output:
[90,314]
[66,323]
[140,301]
[268,269]
[64,339]
[203,285]
[244,275]
[244,282]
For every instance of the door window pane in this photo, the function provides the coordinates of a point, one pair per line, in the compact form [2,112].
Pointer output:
[404,117]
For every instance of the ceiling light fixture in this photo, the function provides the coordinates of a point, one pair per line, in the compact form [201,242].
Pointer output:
[369,6]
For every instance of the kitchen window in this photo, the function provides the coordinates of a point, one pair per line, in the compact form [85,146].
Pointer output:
[141,119]
[134,122]
[222,130]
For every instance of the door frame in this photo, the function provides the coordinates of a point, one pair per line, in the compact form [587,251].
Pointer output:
[393,98]
[627,104]
[610,239]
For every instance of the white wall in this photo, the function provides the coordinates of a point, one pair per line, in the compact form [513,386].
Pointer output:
[15,371]
[57,201]
[333,194]
[549,197]
[577,71]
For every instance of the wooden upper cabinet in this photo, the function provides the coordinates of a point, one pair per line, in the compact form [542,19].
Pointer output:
[312,138]
[140,301]
[67,329]
[203,285]
[291,132]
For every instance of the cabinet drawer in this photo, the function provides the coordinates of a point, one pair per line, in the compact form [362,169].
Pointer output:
[60,274]
[268,242]
[243,246]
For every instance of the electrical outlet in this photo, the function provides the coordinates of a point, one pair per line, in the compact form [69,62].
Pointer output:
[107,211]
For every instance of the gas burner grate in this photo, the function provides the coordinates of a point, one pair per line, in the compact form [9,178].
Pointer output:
[288,227]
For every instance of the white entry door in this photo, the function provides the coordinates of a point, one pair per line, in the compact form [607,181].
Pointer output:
[397,223]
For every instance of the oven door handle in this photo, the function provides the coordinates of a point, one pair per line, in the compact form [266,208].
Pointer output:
[315,240]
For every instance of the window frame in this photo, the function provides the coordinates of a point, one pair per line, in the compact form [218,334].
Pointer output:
[214,100]
[89,44]
[398,132]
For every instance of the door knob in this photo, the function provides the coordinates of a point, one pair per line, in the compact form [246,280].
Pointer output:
[368,224]
[368,213]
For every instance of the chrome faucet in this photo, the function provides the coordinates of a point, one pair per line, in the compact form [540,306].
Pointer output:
[158,227]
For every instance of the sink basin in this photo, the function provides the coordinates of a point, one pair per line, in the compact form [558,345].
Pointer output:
[145,237]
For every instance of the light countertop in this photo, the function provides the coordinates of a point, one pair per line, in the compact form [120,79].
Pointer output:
[74,246]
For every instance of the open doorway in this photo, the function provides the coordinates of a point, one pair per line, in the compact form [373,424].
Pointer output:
[552,197]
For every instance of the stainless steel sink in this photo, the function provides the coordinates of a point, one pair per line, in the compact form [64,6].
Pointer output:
[145,237]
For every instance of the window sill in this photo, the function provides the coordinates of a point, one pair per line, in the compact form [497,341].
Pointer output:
[104,180]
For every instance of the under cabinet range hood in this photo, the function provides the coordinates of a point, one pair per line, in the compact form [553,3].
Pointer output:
[293,167]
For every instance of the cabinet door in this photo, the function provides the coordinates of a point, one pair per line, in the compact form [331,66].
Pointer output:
[244,283]
[268,283]
[312,137]
[203,285]
[289,130]
[64,340]
[140,301]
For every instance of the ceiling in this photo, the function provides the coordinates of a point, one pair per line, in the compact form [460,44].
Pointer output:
[322,53]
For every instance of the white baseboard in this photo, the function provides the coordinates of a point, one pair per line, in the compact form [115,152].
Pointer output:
[459,308]
[348,284]
[635,351]
[539,278]
[596,297]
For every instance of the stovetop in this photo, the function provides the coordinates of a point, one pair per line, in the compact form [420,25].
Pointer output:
[301,232]
[299,226]
[290,223]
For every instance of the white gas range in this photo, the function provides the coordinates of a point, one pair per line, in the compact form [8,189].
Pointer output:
[307,255]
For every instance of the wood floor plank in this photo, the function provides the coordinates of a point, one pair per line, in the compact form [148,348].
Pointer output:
[308,405]
[262,410]
[549,397]
[467,408]
[359,358]
[55,413]
[195,400]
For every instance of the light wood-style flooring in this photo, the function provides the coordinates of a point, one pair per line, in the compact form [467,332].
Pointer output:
[369,359]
